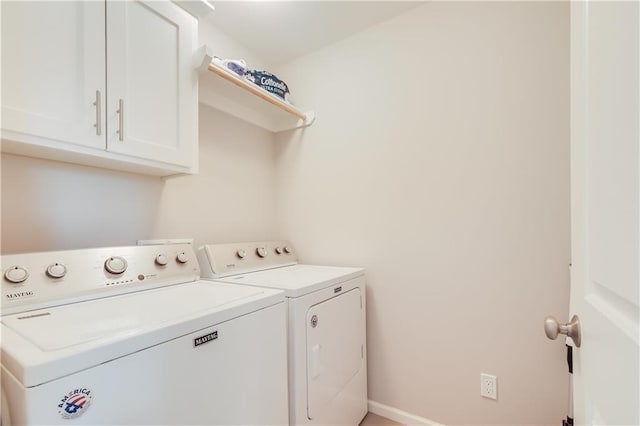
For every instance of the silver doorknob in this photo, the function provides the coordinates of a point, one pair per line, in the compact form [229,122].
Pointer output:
[572,329]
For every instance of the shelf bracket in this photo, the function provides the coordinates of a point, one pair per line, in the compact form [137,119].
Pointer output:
[310,118]
[202,58]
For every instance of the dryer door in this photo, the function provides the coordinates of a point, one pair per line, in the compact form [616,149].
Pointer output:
[335,351]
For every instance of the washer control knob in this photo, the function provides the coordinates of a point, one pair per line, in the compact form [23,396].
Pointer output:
[261,251]
[56,270]
[182,257]
[162,259]
[279,250]
[288,249]
[115,265]
[241,253]
[16,274]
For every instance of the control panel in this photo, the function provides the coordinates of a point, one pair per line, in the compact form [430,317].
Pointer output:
[39,280]
[222,260]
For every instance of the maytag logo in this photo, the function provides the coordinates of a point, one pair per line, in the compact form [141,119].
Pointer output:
[205,339]
[19,295]
[337,289]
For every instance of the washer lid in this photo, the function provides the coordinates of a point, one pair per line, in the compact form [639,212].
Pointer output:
[297,280]
[41,345]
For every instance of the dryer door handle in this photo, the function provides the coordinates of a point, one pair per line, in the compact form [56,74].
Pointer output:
[314,364]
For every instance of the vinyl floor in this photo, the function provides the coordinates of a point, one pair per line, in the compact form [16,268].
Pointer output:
[375,420]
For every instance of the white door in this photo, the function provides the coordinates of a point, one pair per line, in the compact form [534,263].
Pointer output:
[53,71]
[605,227]
[152,99]
[335,348]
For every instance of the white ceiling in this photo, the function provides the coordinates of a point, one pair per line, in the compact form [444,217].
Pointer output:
[280,31]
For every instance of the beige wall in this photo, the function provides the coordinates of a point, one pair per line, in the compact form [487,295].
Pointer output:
[439,161]
[47,205]
[225,47]
[232,198]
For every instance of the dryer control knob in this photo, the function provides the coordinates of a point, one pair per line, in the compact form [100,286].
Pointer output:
[279,250]
[261,251]
[115,265]
[241,253]
[288,249]
[16,274]
[182,257]
[162,259]
[56,270]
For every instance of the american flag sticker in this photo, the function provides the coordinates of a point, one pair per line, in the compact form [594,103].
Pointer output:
[75,403]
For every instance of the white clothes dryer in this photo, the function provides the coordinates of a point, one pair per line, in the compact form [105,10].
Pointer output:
[131,336]
[326,325]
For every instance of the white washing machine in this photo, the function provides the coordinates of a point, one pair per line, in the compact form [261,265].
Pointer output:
[131,336]
[326,332]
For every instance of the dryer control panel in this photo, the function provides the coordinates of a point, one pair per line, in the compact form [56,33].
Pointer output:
[40,280]
[223,260]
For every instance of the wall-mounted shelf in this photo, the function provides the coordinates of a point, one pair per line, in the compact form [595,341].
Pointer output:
[228,92]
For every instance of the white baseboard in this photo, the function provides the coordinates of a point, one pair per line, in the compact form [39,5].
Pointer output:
[399,416]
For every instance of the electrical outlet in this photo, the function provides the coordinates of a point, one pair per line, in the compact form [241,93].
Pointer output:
[488,386]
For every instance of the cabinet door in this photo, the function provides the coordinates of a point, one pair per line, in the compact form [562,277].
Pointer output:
[53,68]
[152,99]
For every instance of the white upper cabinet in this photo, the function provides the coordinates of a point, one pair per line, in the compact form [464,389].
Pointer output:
[126,101]
[53,68]
[152,85]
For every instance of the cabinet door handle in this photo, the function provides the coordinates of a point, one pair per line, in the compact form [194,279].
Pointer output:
[98,105]
[120,112]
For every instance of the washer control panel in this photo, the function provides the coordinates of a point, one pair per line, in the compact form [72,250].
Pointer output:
[39,280]
[222,260]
